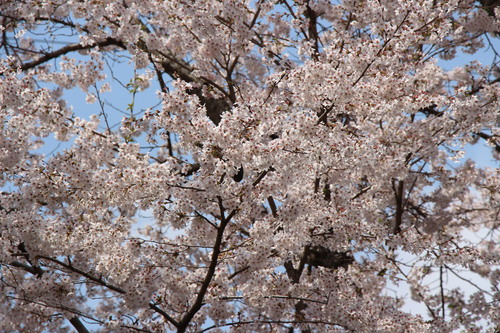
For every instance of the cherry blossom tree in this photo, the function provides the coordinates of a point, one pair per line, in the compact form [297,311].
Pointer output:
[300,162]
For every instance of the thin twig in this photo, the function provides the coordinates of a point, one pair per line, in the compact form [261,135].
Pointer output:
[380,51]
[442,292]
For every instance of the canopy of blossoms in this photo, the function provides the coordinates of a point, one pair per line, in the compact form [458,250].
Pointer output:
[299,161]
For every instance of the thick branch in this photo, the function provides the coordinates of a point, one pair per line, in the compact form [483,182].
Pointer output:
[312,29]
[272,205]
[294,274]
[214,261]
[397,186]
[176,68]
[35,270]
[70,48]
[78,325]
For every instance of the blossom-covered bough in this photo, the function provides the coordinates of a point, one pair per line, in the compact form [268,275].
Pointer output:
[299,171]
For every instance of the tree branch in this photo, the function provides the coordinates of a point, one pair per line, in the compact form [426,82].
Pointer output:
[312,29]
[70,48]
[272,205]
[441,287]
[78,325]
[380,51]
[101,282]
[198,303]
[398,186]
[276,322]
[490,139]
[85,274]
[33,270]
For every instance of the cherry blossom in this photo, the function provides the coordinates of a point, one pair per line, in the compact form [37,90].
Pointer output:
[290,166]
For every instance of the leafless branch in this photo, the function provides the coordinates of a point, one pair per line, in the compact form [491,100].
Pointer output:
[78,325]
[398,187]
[380,51]
[198,303]
[70,48]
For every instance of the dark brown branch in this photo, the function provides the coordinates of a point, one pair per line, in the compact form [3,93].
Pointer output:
[489,6]
[261,176]
[85,274]
[272,205]
[50,19]
[222,210]
[155,308]
[23,252]
[398,186]
[327,192]
[205,219]
[176,68]
[35,270]
[198,303]
[432,111]
[290,9]
[163,85]
[360,193]
[78,325]
[241,270]
[490,139]
[442,292]
[70,48]
[312,30]
[254,19]
[323,114]
[297,298]
[276,322]
[304,259]
[294,274]
[316,185]
[319,256]
[101,282]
